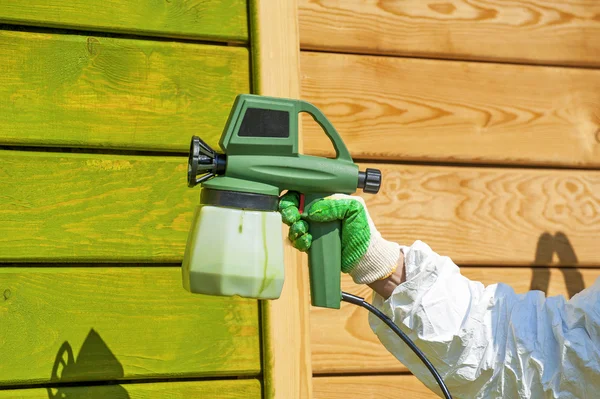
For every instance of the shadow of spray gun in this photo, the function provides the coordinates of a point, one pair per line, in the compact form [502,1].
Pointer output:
[94,359]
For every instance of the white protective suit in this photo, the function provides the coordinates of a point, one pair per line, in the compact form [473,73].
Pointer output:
[489,342]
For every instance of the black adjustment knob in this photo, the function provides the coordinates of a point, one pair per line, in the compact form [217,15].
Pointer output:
[370,180]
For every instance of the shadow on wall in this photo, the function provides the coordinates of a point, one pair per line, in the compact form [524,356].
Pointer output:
[567,260]
[95,361]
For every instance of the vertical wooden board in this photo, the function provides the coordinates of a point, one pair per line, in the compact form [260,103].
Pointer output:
[565,32]
[230,389]
[371,387]
[342,340]
[286,339]
[388,108]
[86,91]
[119,323]
[219,20]
[93,208]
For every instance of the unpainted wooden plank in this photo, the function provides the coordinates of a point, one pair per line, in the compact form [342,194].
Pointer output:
[371,387]
[388,108]
[111,323]
[229,389]
[91,91]
[218,20]
[491,216]
[343,342]
[286,341]
[565,32]
[91,208]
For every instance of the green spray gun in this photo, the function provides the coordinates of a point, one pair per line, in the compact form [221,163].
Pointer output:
[235,246]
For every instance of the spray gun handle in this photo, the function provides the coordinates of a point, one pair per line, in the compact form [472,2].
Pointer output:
[341,150]
[325,261]
[325,253]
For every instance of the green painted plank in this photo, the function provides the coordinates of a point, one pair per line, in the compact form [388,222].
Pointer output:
[231,389]
[111,323]
[80,91]
[93,208]
[219,20]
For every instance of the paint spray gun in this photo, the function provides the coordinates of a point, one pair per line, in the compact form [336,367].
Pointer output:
[235,244]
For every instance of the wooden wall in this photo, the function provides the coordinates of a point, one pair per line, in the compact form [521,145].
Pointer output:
[483,116]
[98,101]
[485,120]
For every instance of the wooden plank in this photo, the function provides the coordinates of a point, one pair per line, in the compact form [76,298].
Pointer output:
[371,387]
[85,91]
[565,32]
[491,216]
[343,342]
[219,20]
[90,208]
[230,389]
[389,108]
[286,340]
[119,323]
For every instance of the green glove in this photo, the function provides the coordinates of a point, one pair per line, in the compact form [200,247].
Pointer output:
[366,256]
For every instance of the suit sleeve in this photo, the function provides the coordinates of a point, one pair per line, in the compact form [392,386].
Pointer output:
[489,342]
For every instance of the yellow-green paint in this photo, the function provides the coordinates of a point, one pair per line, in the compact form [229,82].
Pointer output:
[254,26]
[218,20]
[267,360]
[119,323]
[130,321]
[86,91]
[231,389]
[263,284]
[268,363]
[93,208]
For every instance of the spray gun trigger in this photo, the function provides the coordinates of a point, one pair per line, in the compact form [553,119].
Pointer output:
[301,204]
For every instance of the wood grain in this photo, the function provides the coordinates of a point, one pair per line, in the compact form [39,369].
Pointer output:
[91,208]
[286,340]
[119,323]
[230,389]
[565,32]
[491,216]
[343,342]
[219,20]
[86,91]
[371,387]
[389,108]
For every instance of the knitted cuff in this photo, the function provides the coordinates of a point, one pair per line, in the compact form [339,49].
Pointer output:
[380,261]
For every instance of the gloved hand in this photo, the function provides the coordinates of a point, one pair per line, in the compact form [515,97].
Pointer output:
[366,255]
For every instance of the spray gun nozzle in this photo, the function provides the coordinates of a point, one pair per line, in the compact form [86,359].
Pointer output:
[203,162]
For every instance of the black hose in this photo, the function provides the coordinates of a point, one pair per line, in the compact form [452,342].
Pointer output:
[356,300]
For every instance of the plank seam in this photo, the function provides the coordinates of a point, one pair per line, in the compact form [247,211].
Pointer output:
[127,381]
[52,264]
[532,266]
[116,264]
[361,374]
[471,164]
[126,152]
[447,59]
[119,35]
[93,150]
